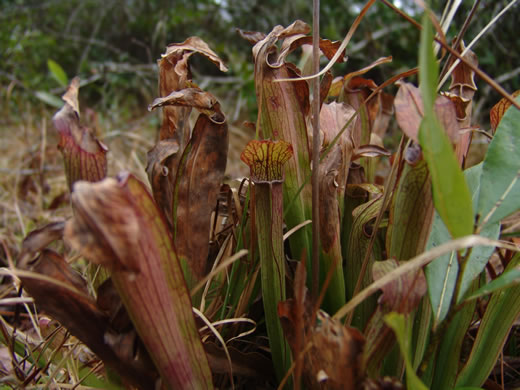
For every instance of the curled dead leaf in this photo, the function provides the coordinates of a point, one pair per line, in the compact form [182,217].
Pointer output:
[205,102]
[175,75]
[253,37]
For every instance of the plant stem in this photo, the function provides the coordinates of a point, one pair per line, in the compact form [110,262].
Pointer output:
[315,150]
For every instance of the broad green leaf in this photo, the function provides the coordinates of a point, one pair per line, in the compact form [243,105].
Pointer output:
[507,279]
[500,187]
[49,98]
[501,312]
[450,193]
[57,73]
[398,323]
[441,274]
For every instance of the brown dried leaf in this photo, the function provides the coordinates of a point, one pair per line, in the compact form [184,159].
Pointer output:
[409,112]
[354,93]
[327,47]
[460,104]
[333,174]
[461,92]
[336,352]
[198,181]
[446,112]
[162,160]
[37,240]
[403,294]
[175,75]
[325,86]
[190,46]
[84,156]
[253,37]
[205,102]
[383,108]
[463,77]
[355,75]
[109,301]
[334,360]
[499,109]
[185,185]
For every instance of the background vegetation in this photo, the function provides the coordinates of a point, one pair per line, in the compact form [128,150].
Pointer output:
[113,46]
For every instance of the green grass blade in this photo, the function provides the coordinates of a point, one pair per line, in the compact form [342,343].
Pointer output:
[450,193]
[57,73]
[501,312]
[507,279]
[398,323]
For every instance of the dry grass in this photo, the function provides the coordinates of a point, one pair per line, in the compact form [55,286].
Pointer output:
[33,192]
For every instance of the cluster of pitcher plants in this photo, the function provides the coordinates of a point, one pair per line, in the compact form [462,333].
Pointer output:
[198,282]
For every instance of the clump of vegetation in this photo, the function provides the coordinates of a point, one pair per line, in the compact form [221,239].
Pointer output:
[187,279]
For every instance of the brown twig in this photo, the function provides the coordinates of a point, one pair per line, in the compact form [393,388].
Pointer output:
[315,149]
[454,53]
